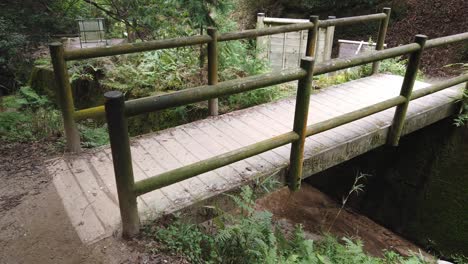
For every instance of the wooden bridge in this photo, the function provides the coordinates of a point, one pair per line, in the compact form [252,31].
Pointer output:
[289,140]
[86,182]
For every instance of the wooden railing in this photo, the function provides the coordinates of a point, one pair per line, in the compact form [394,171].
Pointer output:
[60,57]
[118,110]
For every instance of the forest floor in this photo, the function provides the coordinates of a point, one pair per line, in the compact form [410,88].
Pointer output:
[34,227]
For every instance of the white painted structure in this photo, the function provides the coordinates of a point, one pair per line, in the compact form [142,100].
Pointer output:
[350,48]
[285,50]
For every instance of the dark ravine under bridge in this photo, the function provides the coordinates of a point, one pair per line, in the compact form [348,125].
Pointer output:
[86,181]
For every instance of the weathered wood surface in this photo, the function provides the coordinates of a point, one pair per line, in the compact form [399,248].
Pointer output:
[86,182]
[285,50]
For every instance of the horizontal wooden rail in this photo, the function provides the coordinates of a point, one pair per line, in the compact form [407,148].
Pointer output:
[89,53]
[381,106]
[96,112]
[343,63]
[354,115]
[201,93]
[117,112]
[253,33]
[205,92]
[351,20]
[439,86]
[442,41]
[192,170]
[183,173]
[277,20]
[204,39]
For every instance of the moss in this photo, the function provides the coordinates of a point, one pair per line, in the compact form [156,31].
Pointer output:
[42,81]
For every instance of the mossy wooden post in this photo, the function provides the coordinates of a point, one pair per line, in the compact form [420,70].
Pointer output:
[329,34]
[312,37]
[213,68]
[381,38]
[122,159]
[65,96]
[406,90]
[300,124]
[262,45]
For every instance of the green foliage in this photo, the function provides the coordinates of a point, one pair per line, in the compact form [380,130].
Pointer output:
[28,117]
[462,117]
[152,72]
[24,25]
[12,45]
[460,259]
[395,66]
[93,134]
[185,239]
[251,236]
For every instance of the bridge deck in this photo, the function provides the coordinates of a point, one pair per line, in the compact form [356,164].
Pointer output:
[86,182]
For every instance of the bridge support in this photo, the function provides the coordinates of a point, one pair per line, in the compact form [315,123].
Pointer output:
[301,113]
[406,90]
[65,97]
[122,159]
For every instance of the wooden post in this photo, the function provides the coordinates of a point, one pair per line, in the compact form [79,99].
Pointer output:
[406,90]
[312,37]
[330,33]
[122,159]
[213,68]
[262,45]
[381,38]
[65,97]
[300,124]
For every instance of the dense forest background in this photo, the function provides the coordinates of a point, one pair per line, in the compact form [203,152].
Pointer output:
[26,25]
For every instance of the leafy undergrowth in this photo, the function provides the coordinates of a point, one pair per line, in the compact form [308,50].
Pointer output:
[28,117]
[250,236]
[396,66]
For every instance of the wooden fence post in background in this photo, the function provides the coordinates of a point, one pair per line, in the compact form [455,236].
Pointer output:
[122,159]
[381,38]
[65,97]
[406,90]
[301,113]
[312,37]
[262,45]
[213,68]
[330,33]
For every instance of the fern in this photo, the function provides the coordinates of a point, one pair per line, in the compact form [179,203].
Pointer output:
[252,237]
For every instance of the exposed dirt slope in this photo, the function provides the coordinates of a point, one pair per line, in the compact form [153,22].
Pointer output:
[318,214]
[434,18]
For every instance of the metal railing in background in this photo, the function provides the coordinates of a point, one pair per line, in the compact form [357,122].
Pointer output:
[60,57]
[118,110]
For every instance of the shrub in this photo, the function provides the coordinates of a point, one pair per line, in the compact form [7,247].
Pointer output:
[252,237]
[28,116]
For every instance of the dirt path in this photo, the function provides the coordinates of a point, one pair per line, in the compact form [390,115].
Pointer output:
[318,214]
[34,227]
